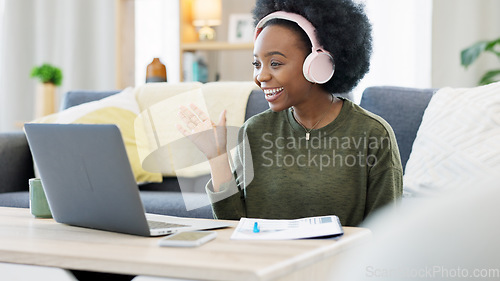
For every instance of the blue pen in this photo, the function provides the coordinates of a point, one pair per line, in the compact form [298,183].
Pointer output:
[256,228]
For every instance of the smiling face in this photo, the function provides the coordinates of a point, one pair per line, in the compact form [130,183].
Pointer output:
[279,55]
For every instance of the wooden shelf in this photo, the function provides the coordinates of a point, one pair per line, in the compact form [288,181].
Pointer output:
[215,46]
[214,51]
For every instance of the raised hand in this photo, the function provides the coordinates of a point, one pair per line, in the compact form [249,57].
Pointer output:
[210,138]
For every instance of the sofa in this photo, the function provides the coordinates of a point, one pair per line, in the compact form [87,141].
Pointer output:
[402,108]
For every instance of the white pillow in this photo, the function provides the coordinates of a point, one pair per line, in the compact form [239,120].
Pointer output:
[458,142]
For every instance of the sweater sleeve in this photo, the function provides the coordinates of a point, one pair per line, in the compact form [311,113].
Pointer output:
[384,189]
[385,180]
[229,201]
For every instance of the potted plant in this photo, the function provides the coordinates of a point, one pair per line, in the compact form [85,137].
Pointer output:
[49,77]
[470,54]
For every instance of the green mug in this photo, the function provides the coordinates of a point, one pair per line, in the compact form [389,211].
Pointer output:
[39,206]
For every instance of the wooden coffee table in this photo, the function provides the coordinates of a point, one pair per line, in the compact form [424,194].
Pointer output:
[26,240]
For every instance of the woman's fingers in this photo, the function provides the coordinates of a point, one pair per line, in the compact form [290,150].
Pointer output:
[186,115]
[222,118]
[204,133]
[183,131]
[186,119]
[202,116]
[197,121]
[197,116]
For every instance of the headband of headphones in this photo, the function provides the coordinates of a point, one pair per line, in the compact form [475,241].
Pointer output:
[308,28]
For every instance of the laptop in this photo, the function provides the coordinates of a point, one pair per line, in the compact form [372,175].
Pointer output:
[89,182]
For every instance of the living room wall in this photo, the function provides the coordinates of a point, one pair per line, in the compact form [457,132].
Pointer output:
[76,35]
[79,36]
[457,24]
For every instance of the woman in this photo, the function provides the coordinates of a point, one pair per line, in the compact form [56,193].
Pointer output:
[311,153]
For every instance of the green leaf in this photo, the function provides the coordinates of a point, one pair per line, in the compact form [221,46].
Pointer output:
[469,55]
[47,74]
[491,47]
[489,76]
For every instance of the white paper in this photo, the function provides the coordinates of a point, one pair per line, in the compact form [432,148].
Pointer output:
[269,229]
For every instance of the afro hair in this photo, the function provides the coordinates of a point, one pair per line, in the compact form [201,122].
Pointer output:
[342,28]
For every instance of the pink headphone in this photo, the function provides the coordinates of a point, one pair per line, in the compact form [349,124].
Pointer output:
[319,65]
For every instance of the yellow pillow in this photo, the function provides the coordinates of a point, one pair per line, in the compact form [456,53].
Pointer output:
[120,109]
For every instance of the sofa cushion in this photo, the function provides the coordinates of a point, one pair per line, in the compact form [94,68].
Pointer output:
[458,143]
[256,103]
[149,94]
[174,204]
[178,184]
[18,199]
[402,108]
[74,98]
[16,163]
[155,202]
[120,109]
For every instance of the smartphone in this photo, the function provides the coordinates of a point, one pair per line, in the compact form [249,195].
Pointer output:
[187,239]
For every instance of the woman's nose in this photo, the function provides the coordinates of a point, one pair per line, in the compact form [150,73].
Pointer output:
[262,75]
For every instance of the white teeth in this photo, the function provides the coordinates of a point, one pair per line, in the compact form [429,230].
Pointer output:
[270,92]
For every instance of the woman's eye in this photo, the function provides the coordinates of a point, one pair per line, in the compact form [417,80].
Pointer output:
[275,64]
[256,64]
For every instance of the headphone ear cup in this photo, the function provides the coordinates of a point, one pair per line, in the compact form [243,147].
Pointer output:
[318,67]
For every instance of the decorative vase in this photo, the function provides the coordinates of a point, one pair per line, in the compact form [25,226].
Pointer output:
[156,71]
[45,99]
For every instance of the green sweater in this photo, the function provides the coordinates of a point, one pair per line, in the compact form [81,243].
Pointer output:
[348,168]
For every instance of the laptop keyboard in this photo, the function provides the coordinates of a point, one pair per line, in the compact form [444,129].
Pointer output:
[161,224]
